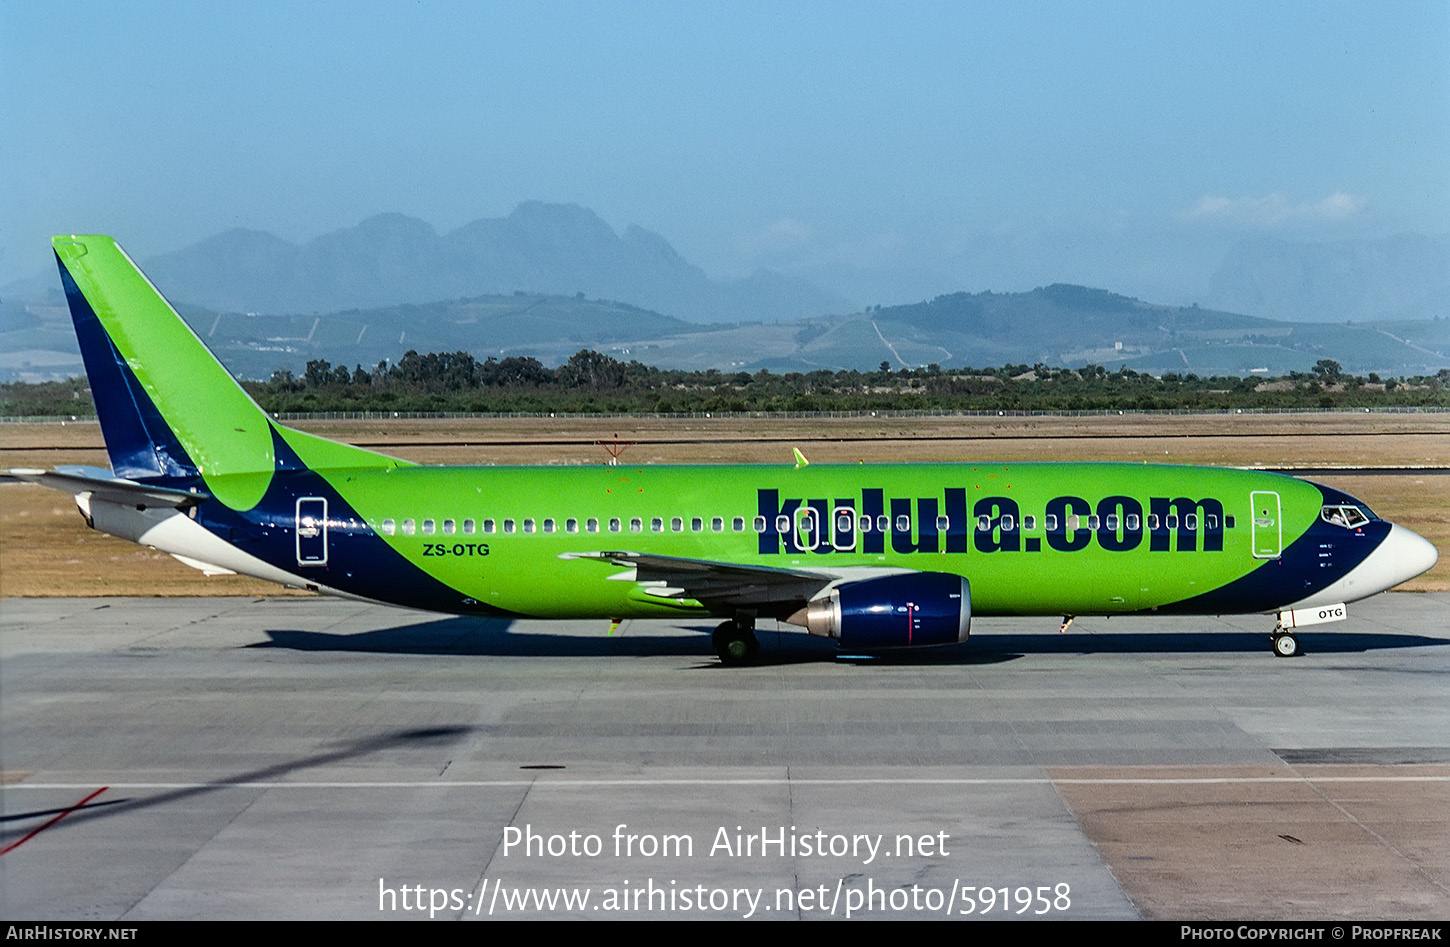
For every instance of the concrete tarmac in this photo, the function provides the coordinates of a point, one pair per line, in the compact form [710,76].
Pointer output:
[314,758]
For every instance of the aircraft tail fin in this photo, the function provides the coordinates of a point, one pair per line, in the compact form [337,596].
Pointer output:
[168,409]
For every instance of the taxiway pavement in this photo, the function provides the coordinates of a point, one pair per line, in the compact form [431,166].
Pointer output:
[312,758]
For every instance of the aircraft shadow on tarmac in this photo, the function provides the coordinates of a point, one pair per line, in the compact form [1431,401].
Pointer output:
[493,637]
[482,637]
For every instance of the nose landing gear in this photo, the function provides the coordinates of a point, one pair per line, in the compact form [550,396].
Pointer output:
[1283,641]
[1285,644]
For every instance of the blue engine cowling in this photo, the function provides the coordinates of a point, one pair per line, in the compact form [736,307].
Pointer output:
[894,611]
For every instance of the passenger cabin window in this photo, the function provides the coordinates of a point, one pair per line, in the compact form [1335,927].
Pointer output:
[760,524]
[409,527]
[738,524]
[571,525]
[529,524]
[1029,522]
[657,524]
[508,526]
[615,525]
[697,525]
[428,527]
[468,527]
[636,525]
[943,523]
[389,527]
[591,525]
[449,527]
[677,524]
[548,525]
[488,526]
[717,524]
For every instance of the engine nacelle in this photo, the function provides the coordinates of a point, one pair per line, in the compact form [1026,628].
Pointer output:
[894,611]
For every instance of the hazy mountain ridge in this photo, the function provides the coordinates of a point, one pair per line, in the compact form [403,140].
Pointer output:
[550,328]
[395,257]
[1071,325]
[1058,325]
[391,259]
[1406,276]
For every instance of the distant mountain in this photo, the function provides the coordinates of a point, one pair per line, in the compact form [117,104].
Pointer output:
[1402,277]
[1065,325]
[540,248]
[549,328]
[1058,325]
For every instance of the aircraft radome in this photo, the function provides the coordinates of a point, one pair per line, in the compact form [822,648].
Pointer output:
[874,556]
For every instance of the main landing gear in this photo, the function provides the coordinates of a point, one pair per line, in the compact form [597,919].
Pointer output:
[735,642]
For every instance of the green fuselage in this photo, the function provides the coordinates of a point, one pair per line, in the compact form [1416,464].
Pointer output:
[1031,538]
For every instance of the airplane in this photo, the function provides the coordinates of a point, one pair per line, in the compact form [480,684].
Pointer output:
[874,556]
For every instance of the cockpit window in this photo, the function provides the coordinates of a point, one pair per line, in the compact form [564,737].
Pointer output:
[1344,515]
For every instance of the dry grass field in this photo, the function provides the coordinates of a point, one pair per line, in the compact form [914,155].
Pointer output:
[46,548]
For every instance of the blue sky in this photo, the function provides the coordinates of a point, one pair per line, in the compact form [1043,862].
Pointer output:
[890,152]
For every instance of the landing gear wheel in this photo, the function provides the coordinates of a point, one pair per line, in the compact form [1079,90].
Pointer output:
[1285,644]
[735,643]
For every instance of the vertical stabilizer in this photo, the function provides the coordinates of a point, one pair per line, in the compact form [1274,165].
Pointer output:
[168,408]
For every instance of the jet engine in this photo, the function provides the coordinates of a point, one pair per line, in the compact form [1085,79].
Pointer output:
[894,611]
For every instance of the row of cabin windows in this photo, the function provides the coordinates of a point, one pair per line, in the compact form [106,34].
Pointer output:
[985,524]
[469,527]
[784,523]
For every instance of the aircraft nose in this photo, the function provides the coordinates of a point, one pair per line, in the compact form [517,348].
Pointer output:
[1405,554]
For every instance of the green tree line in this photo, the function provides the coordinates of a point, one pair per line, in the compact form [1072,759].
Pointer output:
[593,382]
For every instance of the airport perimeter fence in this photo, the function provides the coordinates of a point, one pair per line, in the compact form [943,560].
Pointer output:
[803,415]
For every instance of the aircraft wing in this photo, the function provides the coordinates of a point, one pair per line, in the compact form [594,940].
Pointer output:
[720,586]
[103,485]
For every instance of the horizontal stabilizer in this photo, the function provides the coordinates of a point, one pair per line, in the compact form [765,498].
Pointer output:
[102,486]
